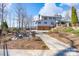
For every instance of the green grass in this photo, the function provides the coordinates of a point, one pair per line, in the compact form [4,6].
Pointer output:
[69,29]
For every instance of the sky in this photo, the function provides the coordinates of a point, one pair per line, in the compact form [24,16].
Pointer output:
[43,8]
[34,8]
[49,9]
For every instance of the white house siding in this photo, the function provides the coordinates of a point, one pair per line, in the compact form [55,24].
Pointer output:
[49,21]
[42,22]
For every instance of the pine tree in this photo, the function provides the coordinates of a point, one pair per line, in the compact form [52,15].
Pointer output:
[74,18]
[4,25]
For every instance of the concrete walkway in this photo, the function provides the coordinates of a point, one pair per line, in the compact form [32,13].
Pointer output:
[53,43]
[57,47]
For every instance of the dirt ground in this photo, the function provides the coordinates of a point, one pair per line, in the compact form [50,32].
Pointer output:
[56,35]
[66,38]
[34,43]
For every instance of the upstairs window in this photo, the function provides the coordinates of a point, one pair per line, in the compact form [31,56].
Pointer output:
[45,18]
[50,17]
[54,17]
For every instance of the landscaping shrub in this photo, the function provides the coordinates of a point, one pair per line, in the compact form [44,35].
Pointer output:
[44,46]
[74,17]
[68,29]
[37,39]
[15,29]
[4,26]
[54,30]
[76,32]
[0,32]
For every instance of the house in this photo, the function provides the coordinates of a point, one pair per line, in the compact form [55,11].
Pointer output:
[43,22]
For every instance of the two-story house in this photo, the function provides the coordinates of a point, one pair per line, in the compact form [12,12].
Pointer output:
[43,22]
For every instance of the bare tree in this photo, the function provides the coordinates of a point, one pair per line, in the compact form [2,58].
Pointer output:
[21,15]
[24,17]
[30,22]
[18,12]
[3,11]
[26,23]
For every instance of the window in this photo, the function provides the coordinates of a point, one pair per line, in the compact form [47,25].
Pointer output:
[45,18]
[35,22]
[39,22]
[50,17]
[54,17]
[52,23]
[45,22]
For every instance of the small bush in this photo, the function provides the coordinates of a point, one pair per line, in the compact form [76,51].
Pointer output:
[15,30]
[37,39]
[44,46]
[4,26]
[69,29]
[50,30]
[54,30]
[76,32]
